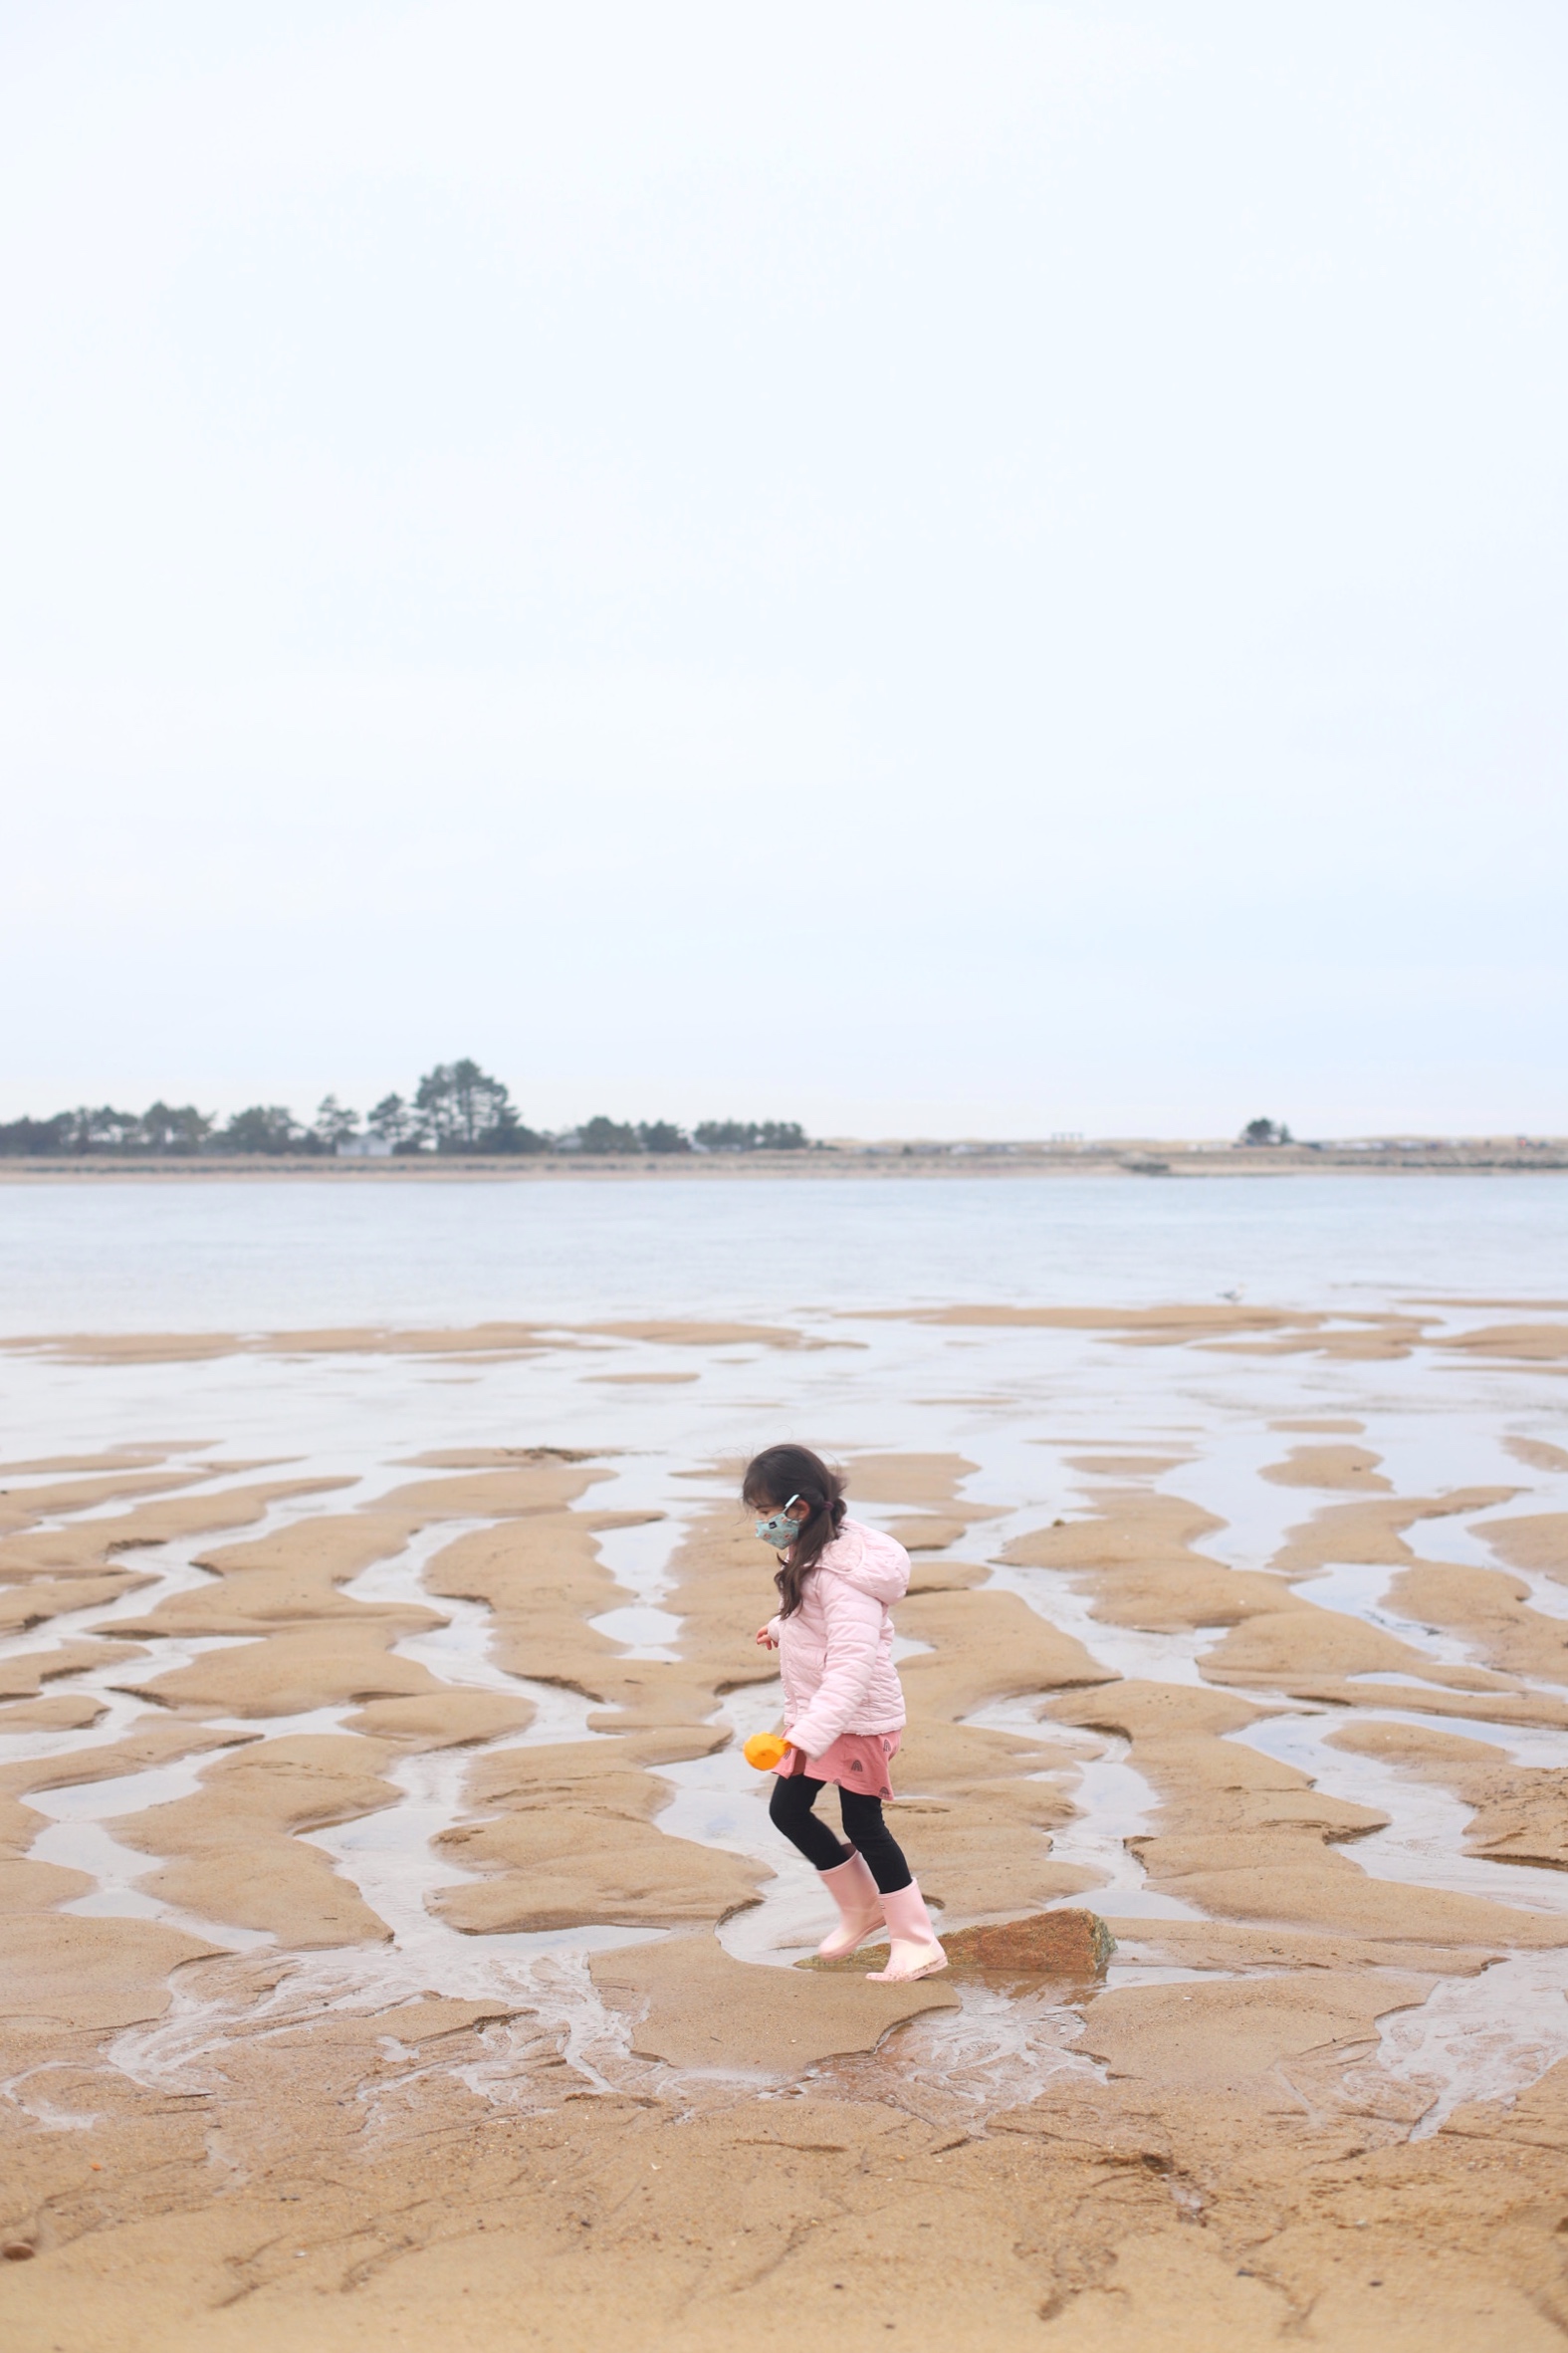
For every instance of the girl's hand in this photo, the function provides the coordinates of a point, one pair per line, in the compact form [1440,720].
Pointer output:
[765,1637]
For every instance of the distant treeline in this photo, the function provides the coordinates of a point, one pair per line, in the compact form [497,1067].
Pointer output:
[456,1107]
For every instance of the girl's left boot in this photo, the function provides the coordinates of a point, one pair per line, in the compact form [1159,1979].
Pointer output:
[853,1890]
[914,1951]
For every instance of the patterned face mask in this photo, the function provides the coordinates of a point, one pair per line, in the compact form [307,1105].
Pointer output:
[780,1531]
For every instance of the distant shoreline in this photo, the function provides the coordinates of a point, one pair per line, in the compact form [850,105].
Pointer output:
[1479,1157]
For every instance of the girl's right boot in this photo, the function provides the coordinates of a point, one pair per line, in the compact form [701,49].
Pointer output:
[915,1952]
[853,1890]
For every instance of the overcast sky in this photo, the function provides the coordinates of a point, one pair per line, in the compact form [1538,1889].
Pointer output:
[983,568]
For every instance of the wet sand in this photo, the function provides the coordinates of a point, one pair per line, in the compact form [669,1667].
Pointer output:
[396,1950]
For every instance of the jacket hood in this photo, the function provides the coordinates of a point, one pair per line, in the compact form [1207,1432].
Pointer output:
[872,1562]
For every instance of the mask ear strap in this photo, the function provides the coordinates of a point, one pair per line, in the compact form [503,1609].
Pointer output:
[794,1499]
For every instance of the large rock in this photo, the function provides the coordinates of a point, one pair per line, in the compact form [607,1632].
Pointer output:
[1065,1943]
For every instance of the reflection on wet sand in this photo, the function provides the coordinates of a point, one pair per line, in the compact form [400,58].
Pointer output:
[393,1802]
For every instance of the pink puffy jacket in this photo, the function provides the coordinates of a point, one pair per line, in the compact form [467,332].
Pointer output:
[835,1653]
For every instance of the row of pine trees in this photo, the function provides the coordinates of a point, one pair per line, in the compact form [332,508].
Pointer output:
[456,1107]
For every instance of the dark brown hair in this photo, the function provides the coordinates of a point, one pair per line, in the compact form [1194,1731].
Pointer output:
[773,1477]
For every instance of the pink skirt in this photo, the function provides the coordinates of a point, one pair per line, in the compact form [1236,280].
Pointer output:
[856,1760]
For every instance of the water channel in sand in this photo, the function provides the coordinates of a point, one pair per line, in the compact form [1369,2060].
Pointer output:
[1026,1407]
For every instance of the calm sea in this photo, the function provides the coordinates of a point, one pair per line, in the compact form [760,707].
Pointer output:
[169,1254]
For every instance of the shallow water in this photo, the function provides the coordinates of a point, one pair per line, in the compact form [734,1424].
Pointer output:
[1423,1843]
[1019,1404]
[1486,2038]
[206,1254]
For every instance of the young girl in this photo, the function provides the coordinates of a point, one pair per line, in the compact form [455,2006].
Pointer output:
[843,1704]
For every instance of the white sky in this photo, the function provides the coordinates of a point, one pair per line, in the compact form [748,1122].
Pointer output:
[975,567]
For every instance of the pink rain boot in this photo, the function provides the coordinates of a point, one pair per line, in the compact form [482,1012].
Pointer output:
[853,1890]
[915,1952]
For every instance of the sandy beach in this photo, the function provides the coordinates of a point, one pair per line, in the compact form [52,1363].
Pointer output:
[396,1949]
[804,732]
[845,1158]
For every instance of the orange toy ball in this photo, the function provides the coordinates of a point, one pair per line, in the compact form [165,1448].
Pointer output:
[765,1749]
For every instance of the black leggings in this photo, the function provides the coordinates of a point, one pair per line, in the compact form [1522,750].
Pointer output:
[789,1809]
